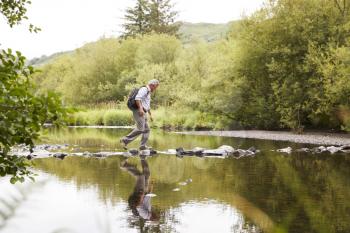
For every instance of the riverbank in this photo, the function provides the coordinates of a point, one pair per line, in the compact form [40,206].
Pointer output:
[308,137]
[164,118]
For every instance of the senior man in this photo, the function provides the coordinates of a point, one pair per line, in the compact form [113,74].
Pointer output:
[143,103]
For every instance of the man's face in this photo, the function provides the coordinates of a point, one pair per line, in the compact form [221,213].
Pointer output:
[153,87]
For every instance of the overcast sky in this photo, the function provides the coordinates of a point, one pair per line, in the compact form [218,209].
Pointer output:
[68,24]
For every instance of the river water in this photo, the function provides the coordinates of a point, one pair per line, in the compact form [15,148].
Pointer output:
[269,192]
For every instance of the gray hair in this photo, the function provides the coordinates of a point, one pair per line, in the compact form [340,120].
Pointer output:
[153,82]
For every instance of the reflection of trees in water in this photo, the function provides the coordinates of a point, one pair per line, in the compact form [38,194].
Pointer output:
[320,190]
[168,170]
[202,163]
[299,192]
[94,138]
[102,174]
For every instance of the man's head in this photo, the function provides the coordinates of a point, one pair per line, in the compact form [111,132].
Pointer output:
[153,84]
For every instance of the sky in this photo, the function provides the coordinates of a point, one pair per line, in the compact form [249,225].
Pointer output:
[69,24]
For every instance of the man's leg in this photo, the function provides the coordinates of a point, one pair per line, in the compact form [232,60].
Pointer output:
[145,134]
[145,168]
[140,127]
[132,169]
[146,172]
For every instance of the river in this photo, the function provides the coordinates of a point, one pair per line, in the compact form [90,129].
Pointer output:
[268,192]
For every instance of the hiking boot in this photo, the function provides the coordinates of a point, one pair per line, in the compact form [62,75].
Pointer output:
[143,156]
[124,144]
[144,148]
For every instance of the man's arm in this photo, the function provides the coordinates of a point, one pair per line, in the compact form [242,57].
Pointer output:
[150,115]
[141,94]
[139,107]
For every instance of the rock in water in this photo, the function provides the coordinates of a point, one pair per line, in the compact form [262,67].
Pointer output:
[153,152]
[303,150]
[252,149]
[176,189]
[345,147]
[86,153]
[221,151]
[319,149]
[60,155]
[98,155]
[180,152]
[245,152]
[228,149]
[145,152]
[214,152]
[134,151]
[287,150]
[126,154]
[333,149]
[41,153]
[171,151]
[198,151]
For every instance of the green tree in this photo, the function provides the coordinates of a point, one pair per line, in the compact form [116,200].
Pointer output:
[15,12]
[22,113]
[106,70]
[162,17]
[149,16]
[136,19]
[277,60]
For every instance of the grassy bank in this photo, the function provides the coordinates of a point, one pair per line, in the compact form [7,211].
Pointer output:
[169,118]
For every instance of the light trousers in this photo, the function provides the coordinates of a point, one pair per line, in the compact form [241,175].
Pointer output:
[141,128]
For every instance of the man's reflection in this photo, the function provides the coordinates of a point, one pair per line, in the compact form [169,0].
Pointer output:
[139,201]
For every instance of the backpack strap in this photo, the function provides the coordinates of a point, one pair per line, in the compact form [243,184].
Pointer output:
[146,88]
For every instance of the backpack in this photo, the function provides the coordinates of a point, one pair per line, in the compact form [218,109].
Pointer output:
[131,99]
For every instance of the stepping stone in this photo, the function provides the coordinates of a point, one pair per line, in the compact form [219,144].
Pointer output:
[287,150]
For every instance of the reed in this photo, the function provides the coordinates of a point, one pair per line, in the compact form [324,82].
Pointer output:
[168,118]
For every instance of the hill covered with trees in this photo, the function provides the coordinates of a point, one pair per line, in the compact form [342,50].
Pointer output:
[285,66]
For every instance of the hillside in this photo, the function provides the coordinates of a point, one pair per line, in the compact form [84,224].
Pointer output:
[203,31]
[39,61]
[189,32]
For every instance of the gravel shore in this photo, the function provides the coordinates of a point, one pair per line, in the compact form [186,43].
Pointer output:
[310,137]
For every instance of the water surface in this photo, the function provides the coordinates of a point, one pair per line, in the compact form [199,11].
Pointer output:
[270,192]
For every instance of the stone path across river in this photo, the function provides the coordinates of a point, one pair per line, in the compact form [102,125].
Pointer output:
[309,138]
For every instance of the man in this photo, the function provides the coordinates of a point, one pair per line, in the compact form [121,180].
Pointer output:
[140,199]
[143,103]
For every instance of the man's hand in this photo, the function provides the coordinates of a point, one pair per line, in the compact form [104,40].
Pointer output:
[150,115]
[139,106]
[141,112]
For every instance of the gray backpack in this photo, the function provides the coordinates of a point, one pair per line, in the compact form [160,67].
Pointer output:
[131,99]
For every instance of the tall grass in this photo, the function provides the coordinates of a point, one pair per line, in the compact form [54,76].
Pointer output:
[181,119]
[102,117]
[169,118]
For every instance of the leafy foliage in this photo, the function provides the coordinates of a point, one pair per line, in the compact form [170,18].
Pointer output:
[15,12]
[107,70]
[286,66]
[284,57]
[22,113]
[150,16]
[192,32]
[136,19]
